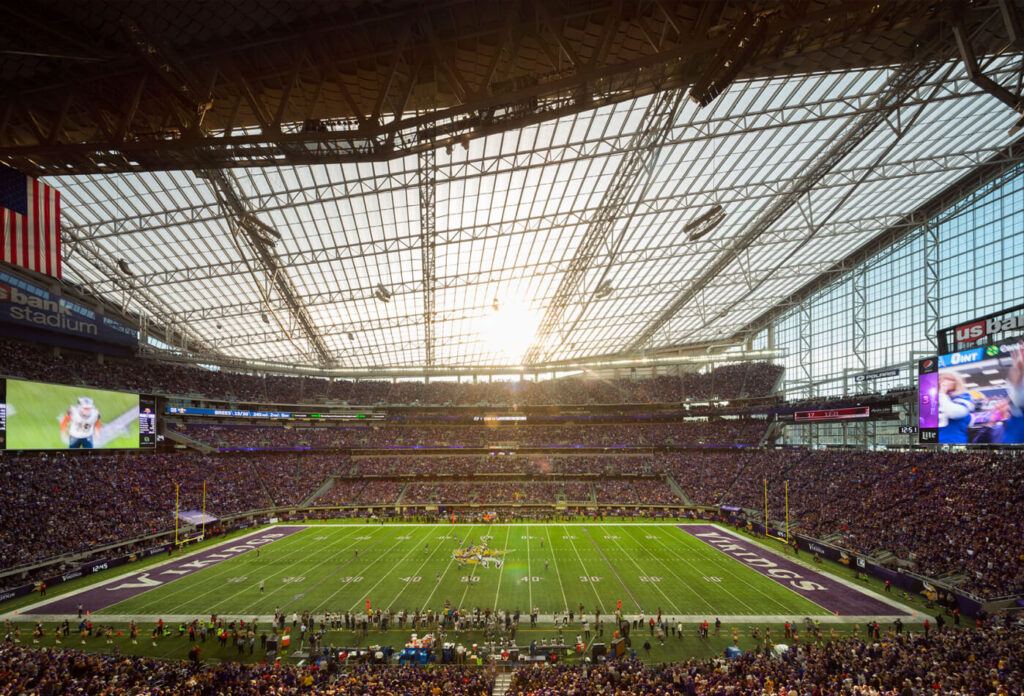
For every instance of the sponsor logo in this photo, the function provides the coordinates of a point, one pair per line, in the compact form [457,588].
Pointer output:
[816,548]
[1003,324]
[992,351]
[98,567]
[16,296]
[969,333]
[71,576]
[962,358]
[928,363]
[4,596]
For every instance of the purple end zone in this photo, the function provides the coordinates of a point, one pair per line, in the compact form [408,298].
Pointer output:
[114,591]
[820,588]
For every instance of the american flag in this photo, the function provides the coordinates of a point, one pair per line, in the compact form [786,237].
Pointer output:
[29,223]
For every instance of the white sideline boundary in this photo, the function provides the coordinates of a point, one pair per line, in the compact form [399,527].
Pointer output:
[545,621]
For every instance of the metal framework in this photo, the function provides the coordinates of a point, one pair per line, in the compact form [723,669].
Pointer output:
[307,84]
[428,245]
[262,186]
[621,201]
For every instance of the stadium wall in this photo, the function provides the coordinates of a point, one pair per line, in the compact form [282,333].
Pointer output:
[970,258]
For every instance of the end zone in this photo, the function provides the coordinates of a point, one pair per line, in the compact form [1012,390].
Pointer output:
[835,595]
[117,589]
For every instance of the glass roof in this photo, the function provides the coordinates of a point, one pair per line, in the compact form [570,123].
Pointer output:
[511,211]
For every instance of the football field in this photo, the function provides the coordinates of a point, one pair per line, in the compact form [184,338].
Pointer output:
[693,572]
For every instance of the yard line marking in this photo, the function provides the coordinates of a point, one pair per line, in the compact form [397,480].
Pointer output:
[716,558]
[382,575]
[656,585]
[501,568]
[419,570]
[472,573]
[529,569]
[426,602]
[586,572]
[218,572]
[322,580]
[558,574]
[686,584]
[612,568]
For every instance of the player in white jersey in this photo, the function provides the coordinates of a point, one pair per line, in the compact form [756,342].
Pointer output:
[80,424]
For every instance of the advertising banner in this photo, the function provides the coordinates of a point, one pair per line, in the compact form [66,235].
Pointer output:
[29,305]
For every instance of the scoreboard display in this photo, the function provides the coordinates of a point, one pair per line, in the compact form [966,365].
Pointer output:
[40,416]
[973,396]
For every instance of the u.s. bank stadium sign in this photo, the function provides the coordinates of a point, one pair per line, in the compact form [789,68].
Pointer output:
[986,330]
[28,305]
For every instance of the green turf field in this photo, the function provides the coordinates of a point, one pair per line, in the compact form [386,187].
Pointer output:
[549,566]
[34,412]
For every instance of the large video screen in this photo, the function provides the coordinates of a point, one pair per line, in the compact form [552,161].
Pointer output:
[973,396]
[40,416]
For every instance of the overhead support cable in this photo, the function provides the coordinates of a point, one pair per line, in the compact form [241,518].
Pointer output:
[901,86]
[428,245]
[258,239]
[620,203]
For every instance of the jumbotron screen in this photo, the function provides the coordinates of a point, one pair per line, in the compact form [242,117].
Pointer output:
[973,396]
[39,416]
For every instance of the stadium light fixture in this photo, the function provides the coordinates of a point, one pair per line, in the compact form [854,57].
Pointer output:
[604,289]
[705,222]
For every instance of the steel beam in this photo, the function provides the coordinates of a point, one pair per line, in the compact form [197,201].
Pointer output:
[258,238]
[620,203]
[428,245]
[905,81]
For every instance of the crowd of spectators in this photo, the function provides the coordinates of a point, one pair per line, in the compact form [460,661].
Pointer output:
[292,479]
[357,491]
[22,359]
[733,380]
[25,670]
[529,464]
[977,661]
[980,660]
[734,431]
[946,512]
[52,504]
[55,504]
[245,437]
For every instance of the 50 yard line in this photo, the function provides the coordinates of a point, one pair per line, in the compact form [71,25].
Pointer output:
[501,568]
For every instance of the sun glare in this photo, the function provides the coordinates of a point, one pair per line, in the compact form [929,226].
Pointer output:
[510,330]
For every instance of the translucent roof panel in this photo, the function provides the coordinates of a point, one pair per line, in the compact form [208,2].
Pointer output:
[521,216]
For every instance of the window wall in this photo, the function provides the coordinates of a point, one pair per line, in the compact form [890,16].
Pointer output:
[878,315]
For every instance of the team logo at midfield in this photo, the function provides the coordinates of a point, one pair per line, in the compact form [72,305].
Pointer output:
[480,555]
